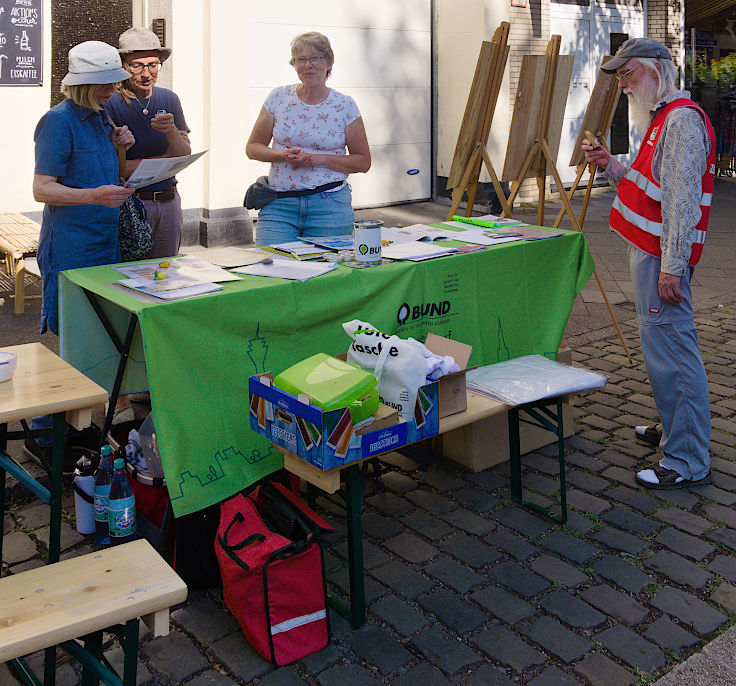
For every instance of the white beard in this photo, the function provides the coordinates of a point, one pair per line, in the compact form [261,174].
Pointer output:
[641,103]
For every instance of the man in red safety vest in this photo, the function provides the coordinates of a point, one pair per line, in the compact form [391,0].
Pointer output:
[661,209]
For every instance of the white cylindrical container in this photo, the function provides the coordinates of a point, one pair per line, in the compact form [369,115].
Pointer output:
[367,241]
[84,486]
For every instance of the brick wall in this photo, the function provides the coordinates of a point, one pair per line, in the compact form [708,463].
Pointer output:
[74,21]
[663,20]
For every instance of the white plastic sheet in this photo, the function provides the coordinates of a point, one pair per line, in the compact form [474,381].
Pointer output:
[529,378]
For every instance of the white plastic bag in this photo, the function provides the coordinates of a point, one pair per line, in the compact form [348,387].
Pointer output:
[399,367]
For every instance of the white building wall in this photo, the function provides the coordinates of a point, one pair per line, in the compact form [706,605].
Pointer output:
[461,28]
[20,109]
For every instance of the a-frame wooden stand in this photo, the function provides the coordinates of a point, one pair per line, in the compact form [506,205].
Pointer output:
[539,160]
[470,151]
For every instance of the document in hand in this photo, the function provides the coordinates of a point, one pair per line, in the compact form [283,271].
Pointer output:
[153,170]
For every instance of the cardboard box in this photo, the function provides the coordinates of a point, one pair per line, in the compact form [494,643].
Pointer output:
[452,386]
[328,439]
[485,443]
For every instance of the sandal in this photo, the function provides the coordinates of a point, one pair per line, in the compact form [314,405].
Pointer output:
[651,435]
[661,478]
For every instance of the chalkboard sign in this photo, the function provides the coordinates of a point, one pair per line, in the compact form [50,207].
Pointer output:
[21,42]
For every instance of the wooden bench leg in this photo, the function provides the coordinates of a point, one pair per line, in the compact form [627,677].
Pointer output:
[20,286]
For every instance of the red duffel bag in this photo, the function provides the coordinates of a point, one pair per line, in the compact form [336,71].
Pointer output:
[272,570]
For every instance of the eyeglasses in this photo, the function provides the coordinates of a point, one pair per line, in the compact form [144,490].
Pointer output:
[138,68]
[302,61]
[624,76]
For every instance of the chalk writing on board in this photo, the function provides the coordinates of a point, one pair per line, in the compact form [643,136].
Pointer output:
[21,42]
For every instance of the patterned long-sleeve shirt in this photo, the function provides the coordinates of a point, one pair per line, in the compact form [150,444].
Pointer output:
[682,153]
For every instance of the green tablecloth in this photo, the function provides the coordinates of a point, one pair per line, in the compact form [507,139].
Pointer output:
[196,355]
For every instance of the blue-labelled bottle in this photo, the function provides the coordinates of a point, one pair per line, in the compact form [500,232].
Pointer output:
[121,506]
[103,480]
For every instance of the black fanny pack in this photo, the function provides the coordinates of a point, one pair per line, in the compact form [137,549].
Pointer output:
[259,194]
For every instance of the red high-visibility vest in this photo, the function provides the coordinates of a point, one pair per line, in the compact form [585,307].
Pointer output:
[636,213]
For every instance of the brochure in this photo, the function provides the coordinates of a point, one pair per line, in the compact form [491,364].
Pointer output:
[299,250]
[162,293]
[415,251]
[155,169]
[333,242]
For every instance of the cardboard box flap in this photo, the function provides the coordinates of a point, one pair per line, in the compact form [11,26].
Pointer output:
[444,346]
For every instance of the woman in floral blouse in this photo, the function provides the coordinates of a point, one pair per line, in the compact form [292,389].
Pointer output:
[311,126]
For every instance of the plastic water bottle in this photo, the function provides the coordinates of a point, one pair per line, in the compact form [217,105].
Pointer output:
[121,506]
[84,486]
[103,479]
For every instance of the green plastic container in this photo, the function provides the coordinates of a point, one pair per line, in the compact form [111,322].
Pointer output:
[332,384]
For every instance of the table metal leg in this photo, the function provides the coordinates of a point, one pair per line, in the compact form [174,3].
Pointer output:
[123,347]
[130,652]
[355,483]
[551,422]
[57,468]
[3,448]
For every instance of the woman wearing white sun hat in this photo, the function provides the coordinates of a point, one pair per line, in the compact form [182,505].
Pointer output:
[76,177]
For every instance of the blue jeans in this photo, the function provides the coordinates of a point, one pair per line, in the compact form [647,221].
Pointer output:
[675,368]
[321,214]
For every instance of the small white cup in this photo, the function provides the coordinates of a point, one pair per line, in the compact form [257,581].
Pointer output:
[8,363]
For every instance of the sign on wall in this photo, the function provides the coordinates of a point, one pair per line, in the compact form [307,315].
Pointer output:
[21,42]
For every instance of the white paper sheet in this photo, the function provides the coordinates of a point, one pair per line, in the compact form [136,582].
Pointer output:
[234,257]
[153,170]
[287,268]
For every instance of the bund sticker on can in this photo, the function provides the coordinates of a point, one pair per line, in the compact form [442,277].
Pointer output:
[368,240]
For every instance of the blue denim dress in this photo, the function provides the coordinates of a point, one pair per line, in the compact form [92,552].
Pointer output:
[73,144]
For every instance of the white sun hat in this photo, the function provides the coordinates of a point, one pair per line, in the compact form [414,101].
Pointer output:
[94,62]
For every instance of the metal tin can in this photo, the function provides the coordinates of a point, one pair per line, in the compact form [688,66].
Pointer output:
[367,240]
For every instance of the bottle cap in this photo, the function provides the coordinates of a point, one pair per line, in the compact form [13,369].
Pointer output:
[106,450]
[119,463]
[84,466]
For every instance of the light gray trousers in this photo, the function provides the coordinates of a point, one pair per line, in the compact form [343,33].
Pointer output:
[675,368]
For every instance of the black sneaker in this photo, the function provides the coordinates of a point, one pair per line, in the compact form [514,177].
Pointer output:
[87,439]
[43,455]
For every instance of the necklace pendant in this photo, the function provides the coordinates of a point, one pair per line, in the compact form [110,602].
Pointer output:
[145,110]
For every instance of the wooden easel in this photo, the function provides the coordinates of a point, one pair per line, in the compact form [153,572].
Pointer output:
[470,151]
[536,128]
[596,122]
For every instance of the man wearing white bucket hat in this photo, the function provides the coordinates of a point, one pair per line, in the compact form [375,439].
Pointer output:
[76,177]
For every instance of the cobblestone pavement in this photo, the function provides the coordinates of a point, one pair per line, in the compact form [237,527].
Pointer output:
[465,587]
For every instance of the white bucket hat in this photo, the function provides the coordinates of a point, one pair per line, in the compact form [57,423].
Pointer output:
[94,62]
[139,39]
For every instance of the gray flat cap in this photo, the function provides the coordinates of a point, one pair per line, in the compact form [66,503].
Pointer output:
[636,47]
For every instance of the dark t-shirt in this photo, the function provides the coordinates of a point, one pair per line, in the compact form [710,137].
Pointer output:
[148,143]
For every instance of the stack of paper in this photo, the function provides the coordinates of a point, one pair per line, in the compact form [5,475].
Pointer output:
[415,251]
[299,250]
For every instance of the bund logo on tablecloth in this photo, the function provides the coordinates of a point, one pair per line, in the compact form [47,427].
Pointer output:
[411,313]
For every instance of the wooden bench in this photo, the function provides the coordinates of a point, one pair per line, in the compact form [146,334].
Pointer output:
[18,240]
[79,598]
